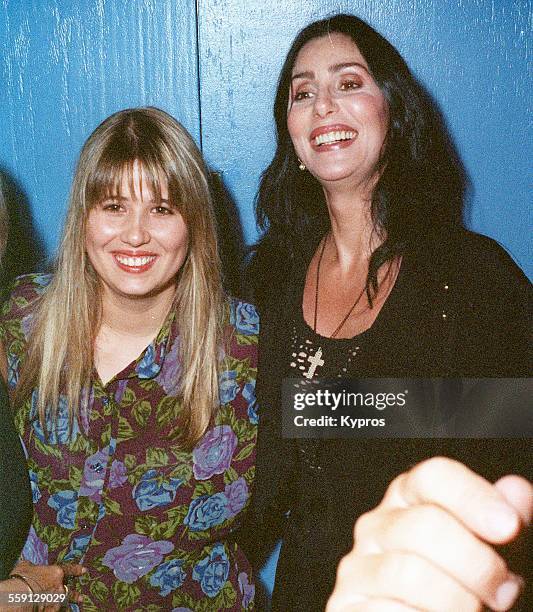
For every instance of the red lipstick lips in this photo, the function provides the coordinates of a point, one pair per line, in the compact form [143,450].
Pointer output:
[134,262]
[342,136]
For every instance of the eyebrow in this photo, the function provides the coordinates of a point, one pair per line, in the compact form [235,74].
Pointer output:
[334,68]
[124,199]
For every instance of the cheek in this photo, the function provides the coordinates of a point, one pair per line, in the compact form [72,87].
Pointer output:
[98,232]
[383,113]
[295,128]
[379,111]
[176,238]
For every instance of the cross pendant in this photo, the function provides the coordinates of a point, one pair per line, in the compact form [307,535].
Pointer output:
[314,362]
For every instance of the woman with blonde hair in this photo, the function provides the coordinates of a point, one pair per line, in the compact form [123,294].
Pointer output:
[133,379]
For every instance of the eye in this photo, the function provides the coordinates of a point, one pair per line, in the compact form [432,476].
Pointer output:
[113,207]
[301,95]
[163,210]
[349,84]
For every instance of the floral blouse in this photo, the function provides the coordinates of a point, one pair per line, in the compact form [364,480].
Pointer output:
[150,521]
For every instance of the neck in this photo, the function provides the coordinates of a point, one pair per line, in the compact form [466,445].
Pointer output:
[351,227]
[138,316]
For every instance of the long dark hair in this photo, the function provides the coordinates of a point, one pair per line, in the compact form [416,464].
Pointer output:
[418,195]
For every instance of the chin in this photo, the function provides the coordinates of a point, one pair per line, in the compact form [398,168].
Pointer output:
[332,175]
[336,173]
[134,291]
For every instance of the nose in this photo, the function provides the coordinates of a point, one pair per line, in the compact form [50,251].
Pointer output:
[325,103]
[136,231]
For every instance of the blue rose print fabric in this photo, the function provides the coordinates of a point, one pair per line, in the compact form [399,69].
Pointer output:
[149,520]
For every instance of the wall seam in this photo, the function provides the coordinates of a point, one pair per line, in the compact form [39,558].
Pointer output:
[199,77]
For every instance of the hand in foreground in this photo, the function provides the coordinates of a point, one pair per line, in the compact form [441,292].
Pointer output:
[50,579]
[427,546]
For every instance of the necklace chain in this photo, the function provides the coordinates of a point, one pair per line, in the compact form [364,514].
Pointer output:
[357,299]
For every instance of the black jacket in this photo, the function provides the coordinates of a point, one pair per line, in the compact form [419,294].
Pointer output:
[16,506]
[461,309]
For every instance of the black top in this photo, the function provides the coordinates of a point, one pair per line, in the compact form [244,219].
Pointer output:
[460,309]
[15,497]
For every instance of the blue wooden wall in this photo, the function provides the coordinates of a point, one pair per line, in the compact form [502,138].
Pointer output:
[67,64]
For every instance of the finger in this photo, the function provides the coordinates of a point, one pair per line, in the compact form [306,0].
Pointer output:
[75,596]
[434,534]
[519,493]
[52,577]
[73,569]
[403,577]
[448,483]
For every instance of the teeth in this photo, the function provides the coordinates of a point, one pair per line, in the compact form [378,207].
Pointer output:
[134,262]
[333,137]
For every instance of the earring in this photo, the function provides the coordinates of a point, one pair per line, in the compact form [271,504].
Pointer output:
[302,165]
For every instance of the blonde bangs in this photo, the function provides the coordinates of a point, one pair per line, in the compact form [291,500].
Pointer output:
[108,177]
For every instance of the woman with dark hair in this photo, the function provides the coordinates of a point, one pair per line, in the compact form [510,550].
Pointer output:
[364,271]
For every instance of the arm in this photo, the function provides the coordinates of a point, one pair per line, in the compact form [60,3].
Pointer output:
[430,543]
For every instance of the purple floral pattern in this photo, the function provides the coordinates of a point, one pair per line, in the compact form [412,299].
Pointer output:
[149,520]
[118,475]
[213,454]
[237,493]
[94,472]
[135,557]
[247,590]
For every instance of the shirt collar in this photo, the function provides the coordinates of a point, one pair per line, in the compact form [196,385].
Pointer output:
[148,365]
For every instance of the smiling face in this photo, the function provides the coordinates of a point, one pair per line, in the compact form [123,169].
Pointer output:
[136,242]
[337,116]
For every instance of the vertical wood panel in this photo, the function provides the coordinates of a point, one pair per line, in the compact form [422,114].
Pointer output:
[470,54]
[68,64]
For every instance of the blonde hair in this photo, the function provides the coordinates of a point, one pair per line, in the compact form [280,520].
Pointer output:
[60,350]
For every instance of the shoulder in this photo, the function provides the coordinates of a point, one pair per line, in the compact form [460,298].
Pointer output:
[23,295]
[24,290]
[484,255]
[487,300]
[489,279]
[476,264]
[18,310]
